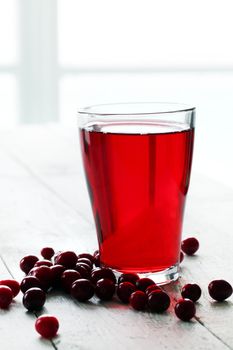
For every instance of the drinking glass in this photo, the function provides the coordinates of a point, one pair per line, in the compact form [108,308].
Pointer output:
[137,159]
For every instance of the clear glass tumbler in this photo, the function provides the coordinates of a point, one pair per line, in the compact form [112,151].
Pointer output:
[137,159]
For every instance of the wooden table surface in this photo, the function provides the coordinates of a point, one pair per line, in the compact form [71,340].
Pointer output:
[44,202]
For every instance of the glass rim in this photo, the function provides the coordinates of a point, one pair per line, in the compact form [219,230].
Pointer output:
[151,108]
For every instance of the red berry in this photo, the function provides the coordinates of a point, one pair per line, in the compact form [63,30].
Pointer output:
[185,309]
[191,291]
[87,256]
[34,299]
[67,259]
[86,266]
[6,296]
[47,326]
[27,263]
[56,255]
[128,277]
[12,284]
[158,301]
[82,290]
[138,300]
[124,291]
[190,245]
[104,289]
[43,273]
[47,253]
[67,278]
[43,263]
[220,290]
[181,256]
[152,288]
[97,259]
[143,283]
[29,282]
[99,273]
[85,261]
[84,272]
[56,272]
[96,252]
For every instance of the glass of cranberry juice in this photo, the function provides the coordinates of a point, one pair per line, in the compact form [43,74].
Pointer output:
[137,159]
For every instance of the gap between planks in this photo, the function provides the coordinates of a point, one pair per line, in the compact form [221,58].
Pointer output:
[42,182]
[181,282]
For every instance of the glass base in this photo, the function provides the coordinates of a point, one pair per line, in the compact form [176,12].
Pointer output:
[161,277]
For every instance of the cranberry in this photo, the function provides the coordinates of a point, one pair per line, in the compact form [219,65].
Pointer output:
[96,252]
[47,326]
[138,300]
[191,291]
[86,266]
[158,301]
[56,255]
[220,290]
[47,253]
[6,296]
[29,282]
[124,291]
[34,299]
[99,273]
[82,290]
[67,259]
[144,283]
[87,256]
[104,289]
[43,263]
[190,245]
[152,288]
[68,277]
[83,271]
[128,277]
[185,309]
[43,273]
[97,260]
[13,285]
[181,256]
[27,263]
[56,272]
[85,261]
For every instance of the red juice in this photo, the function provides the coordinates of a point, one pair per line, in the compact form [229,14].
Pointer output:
[138,177]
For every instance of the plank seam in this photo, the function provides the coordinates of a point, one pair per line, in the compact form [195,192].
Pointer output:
[202,323]
[5,264]
[211,332]
[42,182]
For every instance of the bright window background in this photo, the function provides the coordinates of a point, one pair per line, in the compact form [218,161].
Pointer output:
[9,33]
[9,61]
[58,55]
[149,33]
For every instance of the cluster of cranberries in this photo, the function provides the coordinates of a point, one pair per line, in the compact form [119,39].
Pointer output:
[82,277]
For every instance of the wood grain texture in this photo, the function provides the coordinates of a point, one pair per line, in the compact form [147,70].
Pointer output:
[44,202]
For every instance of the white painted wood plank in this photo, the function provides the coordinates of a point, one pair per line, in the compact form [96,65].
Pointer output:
[40,151]
[37,215]
[212,223]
